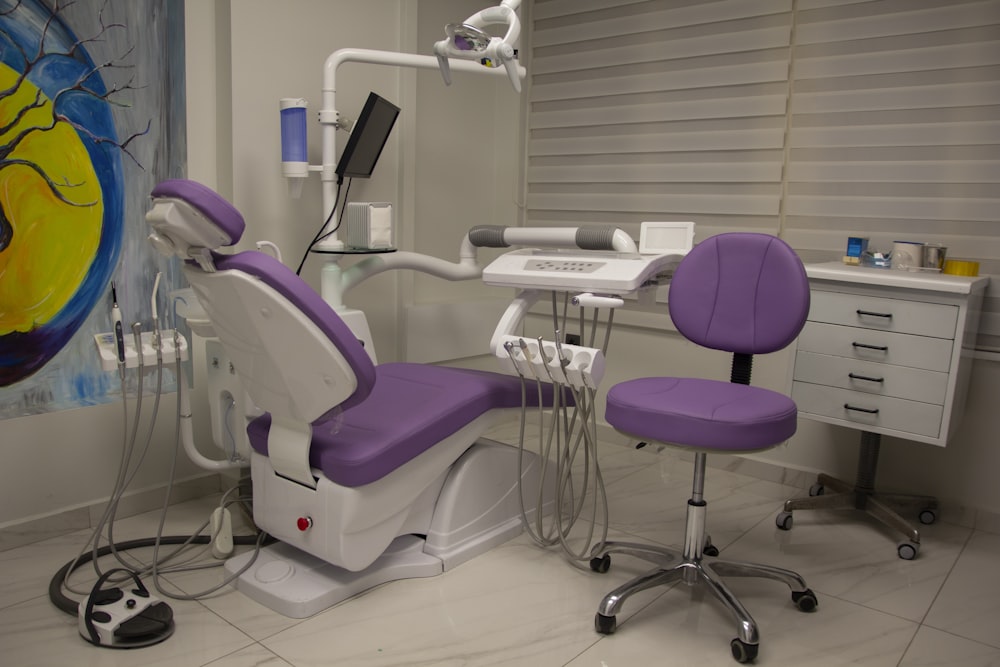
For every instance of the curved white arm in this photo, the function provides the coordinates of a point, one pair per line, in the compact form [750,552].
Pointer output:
[466,268]
[187,433]
[328,116]
[510,321]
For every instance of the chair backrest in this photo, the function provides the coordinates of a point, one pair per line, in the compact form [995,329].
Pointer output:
[740,292]
[296,358]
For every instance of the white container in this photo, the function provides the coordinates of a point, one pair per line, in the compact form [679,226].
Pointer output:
[907,255]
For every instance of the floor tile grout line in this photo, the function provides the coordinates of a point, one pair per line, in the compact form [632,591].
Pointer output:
[947,576]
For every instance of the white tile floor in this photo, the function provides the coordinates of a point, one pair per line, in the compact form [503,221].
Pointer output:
[523,605]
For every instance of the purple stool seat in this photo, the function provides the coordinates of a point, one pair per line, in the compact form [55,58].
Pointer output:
[707,414]
[411,408]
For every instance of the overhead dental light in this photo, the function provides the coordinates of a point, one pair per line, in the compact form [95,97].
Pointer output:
[468,41]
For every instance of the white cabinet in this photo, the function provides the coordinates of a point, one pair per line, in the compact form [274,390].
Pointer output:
[887,351]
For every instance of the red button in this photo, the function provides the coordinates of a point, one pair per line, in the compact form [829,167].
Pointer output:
[304,523]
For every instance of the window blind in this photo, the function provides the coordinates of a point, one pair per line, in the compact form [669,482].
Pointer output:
[657,111]
[894,129]
[811,119]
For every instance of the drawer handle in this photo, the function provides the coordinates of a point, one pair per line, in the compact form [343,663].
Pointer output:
[855,376]
[871,313]
[880,348]
[870,411]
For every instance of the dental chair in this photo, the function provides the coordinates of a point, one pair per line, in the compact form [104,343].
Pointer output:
[745,294]
[363,473]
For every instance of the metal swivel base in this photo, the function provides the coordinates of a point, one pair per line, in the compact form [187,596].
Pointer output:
[695,565]
[863,496]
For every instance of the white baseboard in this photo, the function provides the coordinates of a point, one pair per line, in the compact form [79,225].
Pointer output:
[38,528]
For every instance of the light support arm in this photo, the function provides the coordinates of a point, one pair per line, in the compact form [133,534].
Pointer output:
[329,118]
[466,268]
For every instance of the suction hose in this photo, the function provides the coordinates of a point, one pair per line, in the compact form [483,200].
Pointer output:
[70,606]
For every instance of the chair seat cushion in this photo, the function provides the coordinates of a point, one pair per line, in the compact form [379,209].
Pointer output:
[700,413]
[410,408]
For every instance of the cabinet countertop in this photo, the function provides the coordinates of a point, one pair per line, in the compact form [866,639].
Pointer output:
[863,275]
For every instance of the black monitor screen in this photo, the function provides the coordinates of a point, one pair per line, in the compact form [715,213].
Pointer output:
[368,137]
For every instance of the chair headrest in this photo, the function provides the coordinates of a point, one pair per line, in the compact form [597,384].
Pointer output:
[189,220]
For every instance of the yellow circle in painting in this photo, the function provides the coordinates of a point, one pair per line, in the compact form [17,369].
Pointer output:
[53,243]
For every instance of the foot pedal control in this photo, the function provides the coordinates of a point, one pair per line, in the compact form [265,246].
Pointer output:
[129,617]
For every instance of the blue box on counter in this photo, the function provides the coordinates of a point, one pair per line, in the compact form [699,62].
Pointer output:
[856,247]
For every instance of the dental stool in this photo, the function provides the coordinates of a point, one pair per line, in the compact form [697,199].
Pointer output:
[745,294]
[363,473]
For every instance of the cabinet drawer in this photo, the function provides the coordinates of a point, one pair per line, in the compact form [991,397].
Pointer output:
[912,384]
[914,317]
[933,354]
[890,413]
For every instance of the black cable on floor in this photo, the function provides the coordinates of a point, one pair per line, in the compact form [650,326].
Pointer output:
[70,606]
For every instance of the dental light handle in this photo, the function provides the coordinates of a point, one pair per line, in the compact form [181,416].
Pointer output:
[585,238]
[495,54]
[443,65]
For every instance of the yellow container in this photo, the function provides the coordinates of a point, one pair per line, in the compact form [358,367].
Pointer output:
[960,267]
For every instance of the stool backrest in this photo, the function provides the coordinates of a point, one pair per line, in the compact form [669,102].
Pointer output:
[740,292]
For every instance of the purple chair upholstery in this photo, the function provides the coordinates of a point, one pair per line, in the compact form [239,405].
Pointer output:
[223,214]
[281,278]
[397,410]
[740,293]
[411,407]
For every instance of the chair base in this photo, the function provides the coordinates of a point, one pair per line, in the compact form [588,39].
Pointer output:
[477,508]
[704,570]
[694,566]
[884,507]
[298,585]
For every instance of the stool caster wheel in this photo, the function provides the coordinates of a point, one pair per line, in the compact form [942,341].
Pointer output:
[783,520]
[928,516]
[743,652]
[805,600]
[708,548]
[908,550]
[605,625]
[602,564]
[817,490]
